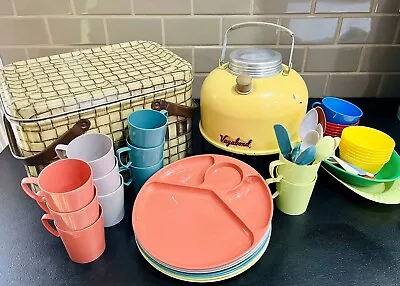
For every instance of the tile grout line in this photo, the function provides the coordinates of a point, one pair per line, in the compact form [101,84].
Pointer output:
[335,73]
[132,7]
[14,7]
[328,77]
[271,16]
[397,33]
[338,29]
[380,86]
[47,27]
[303,65]
[221,33]
[193,63]
[313,7]
[26,53]
[104,21]
[210,46]
[278,33]
[163,31]
[73,8]
[251,7]
[361,59]
[191,7]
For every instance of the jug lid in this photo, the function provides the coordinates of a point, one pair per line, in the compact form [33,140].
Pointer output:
[256,62]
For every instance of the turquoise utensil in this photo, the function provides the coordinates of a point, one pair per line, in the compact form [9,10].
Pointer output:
[282,136]
[296,152]
[307,156]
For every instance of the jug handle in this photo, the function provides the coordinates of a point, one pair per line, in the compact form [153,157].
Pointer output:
[253,24]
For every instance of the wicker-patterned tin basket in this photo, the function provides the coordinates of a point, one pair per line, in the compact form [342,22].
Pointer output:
[53,99]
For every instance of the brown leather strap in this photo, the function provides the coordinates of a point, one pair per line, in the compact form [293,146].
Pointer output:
[46,155]
[173,108]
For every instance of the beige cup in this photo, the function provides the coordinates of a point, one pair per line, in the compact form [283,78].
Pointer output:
[292,199]
[292,172]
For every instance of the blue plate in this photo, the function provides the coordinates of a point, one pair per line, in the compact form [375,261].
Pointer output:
[215,274]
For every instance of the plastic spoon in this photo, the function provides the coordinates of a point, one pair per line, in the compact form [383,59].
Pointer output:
[344,165]
[296,152]
[359,171]
[320,130]
[309,123]
[284,144]
[309,140]
[325,149]
[321,117]
[307,156]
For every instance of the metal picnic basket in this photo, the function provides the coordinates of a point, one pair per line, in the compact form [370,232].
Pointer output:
[52,100]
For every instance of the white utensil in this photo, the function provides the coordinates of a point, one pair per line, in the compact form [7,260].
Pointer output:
[345,166]
[320,130]
[311,139]
[309,123]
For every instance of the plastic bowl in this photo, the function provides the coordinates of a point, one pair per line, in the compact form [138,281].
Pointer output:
[368,158]
[389,173]
[369,167]
[339,111]
[368,139]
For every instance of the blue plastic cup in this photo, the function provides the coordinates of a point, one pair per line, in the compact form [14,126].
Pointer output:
[339,111]
[147,128]
[138,176]
[140,157]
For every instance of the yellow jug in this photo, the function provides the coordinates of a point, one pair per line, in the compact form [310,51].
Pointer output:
[241,100]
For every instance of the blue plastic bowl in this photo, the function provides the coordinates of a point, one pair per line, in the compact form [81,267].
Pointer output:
[339,111]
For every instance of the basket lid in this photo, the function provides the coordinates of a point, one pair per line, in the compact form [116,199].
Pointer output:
[256,62]
[48,87]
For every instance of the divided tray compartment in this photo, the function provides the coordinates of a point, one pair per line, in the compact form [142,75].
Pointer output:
[203,201]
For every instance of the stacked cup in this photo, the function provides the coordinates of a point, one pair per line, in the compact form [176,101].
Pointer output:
[98,151]
[366,148]
[145,146]
[294,184]
[339,114]
[69,198]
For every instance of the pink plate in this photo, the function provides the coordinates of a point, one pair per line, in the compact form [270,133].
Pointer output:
[202,212]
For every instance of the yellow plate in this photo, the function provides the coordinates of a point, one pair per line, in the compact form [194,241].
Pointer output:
[213,279]
[384,193]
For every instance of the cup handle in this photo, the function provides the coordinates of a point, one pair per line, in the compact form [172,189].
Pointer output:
[316,104]
[123,169]
[39,197]
[61,150]
[45,221]
[274,180]
[272,167]
[164,112]
[119,152]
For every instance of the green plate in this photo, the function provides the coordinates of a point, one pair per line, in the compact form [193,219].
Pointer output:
[389,173]
[384,193]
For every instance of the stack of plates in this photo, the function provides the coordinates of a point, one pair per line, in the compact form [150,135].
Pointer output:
[204,218]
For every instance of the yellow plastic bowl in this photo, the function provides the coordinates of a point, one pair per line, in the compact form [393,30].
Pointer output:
[370,158]
[368,139]
[365,152]
[373,168]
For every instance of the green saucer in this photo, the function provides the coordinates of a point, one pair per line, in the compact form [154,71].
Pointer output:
[389,173]
[384,193]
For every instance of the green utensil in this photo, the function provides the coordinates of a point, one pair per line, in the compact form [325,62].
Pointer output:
[389,173]
[384,193]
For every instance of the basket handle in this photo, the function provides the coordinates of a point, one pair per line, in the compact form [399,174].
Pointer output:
[48,153]
[254,24]
[173,108]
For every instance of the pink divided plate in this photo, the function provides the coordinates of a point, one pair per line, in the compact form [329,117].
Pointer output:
[202,212]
